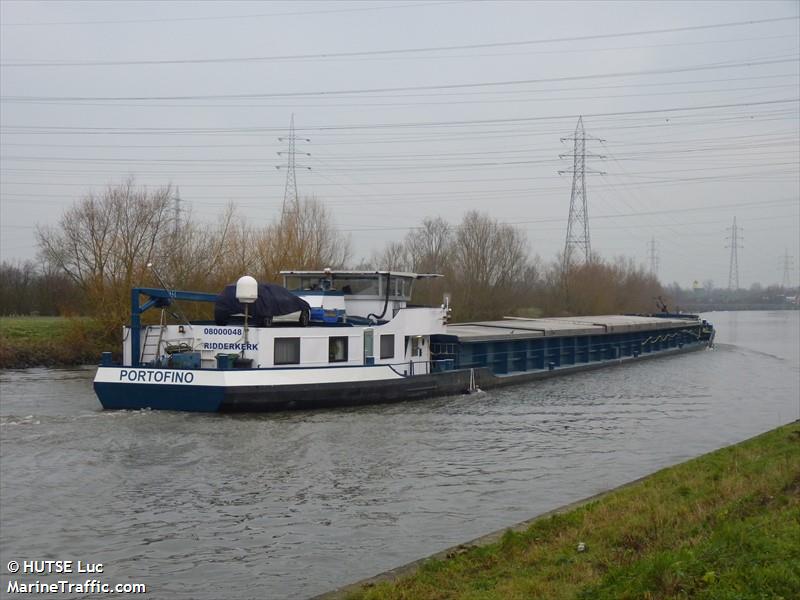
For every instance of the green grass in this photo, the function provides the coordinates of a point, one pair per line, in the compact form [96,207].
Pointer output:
[34,328]
[53,341]
[724,526]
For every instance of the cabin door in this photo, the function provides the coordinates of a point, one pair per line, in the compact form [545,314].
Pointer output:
[369,353]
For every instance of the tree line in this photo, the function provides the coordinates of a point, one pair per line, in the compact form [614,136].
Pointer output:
[490,272]
[100,248]
[34,288]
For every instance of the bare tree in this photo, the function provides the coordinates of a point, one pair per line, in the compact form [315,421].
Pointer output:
[103,243]
[204,257]
[429,247]
[305,237]
[490,260]
[394,257]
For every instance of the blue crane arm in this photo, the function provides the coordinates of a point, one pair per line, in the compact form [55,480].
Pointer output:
[157,297]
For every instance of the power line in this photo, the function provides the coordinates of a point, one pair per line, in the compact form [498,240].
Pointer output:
[382,6]
[502,93]
[396,51]
[535,221]
[728,151]
[559,220]
[667,71]
[784,137]
[417,136]
[667,224]
[651,175]
[254,129]
[766,159]
[445,102]
[54,63]
[759,157]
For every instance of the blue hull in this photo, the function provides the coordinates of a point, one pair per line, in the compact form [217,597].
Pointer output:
[266,398]
[135,396]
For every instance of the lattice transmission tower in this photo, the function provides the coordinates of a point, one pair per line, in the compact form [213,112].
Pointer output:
[653,257]
[290,196]
[787,263]
[176,208]
[578,246]
[735,244]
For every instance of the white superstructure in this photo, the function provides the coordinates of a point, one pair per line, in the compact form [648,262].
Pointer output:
[363,319]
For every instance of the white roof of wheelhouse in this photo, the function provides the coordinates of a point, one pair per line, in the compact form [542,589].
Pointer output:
[364,274]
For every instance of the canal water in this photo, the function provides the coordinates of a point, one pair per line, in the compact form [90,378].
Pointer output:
[293,504]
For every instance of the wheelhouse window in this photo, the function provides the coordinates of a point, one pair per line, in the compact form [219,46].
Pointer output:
[287,351]
[387,346]
[337,349]
[357,286]
[401,287]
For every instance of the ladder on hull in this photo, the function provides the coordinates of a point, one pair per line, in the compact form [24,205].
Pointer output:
[149,334]
[151,342]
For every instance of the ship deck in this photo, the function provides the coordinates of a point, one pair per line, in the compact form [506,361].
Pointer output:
[518,328]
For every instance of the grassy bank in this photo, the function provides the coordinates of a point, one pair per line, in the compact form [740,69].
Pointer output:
[722,526]
[52,341]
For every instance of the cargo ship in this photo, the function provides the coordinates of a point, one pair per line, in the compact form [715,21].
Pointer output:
[345,338]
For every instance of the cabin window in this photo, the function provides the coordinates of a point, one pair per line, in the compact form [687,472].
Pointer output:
[337,349]
[387,346]
[400,287]
[287,351]
[354,286]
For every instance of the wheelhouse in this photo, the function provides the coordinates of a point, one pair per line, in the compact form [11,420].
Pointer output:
[371,295]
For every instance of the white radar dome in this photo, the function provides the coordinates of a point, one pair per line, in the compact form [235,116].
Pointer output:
[247,289]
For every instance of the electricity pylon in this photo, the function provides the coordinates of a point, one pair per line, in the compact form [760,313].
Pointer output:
[787,263]
[734,243]
[290,196]
[176,207]
[578,246]
[652,255]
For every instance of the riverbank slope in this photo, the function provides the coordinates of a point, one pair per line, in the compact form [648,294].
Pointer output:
[53,341]
[724,525]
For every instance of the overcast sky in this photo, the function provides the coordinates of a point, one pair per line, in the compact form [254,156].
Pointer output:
[418,109]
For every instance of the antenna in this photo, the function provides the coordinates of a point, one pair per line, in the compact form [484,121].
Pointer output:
[578,247]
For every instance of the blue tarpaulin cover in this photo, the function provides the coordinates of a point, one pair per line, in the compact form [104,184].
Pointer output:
[273,301]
